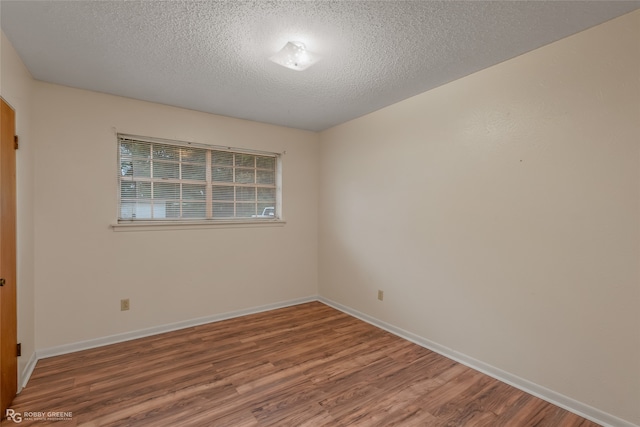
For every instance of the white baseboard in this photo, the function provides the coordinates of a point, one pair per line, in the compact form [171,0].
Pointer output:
[141,333]
[27,371]
[572,405]
[565,402]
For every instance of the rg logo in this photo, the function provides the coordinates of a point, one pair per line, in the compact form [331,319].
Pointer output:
[14,416]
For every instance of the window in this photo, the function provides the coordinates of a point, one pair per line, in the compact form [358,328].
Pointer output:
[168,180]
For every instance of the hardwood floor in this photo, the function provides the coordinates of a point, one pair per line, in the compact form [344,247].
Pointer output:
[307,365]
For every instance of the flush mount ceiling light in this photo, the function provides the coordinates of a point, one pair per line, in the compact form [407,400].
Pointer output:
[295,55]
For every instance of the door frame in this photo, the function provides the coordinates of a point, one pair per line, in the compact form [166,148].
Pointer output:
[8,258]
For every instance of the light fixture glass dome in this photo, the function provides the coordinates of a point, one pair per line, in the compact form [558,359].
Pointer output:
[294,55]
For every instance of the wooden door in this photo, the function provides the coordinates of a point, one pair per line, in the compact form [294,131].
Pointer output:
[8,314]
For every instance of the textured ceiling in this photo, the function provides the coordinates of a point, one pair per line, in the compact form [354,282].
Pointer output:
[213,56]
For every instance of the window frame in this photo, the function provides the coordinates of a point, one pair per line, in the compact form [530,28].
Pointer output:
[210,184]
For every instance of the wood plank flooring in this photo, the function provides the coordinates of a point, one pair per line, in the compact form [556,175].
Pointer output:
[307,365]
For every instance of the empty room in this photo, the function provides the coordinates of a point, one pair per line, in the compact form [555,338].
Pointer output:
[320,213]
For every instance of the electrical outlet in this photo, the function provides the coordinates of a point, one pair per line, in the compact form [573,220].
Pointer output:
[380,295]
[124,304]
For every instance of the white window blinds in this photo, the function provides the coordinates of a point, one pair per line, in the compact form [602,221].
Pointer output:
[165,180]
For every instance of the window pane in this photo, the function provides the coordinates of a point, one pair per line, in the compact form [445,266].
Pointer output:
[168,209]
[128,190]
[125,149]
[162,210]
[223,210]
[267,195]
[165,190]
[267,210]
[246,193]
[194,210]
[135,210]
[246,160]
[245,210]
[142,168]
[127,210]
[222,158]
[166,152]
[266,162]
[266,177]
[144,190]
[194,155]
[135,190]
[245,176]
[222,174]
[137,149]
[165,170]
[194,192]
[222,192]
[195,172]
[126,168]
[172,209]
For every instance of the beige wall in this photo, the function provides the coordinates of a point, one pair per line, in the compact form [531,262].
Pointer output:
[16,88]
[84,268]
[500,215]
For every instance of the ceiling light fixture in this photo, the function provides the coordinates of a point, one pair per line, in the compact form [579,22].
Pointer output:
[295,55]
